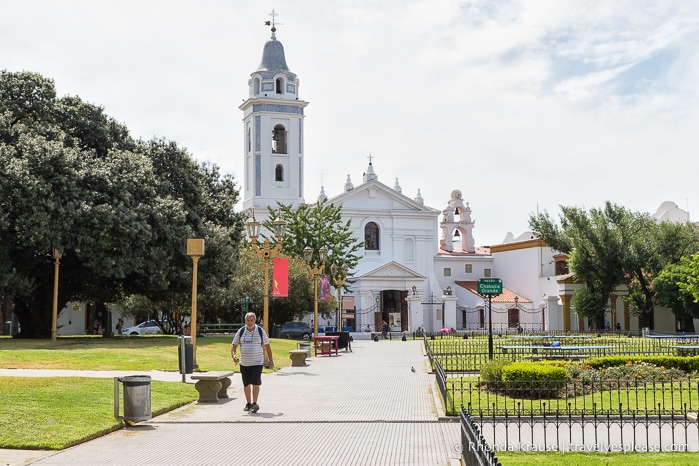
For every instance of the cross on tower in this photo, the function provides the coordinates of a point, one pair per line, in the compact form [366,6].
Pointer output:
[273,23]
[370,157]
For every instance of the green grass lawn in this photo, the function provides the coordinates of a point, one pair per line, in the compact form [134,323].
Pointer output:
[512,458]
[142,353]
[56,412]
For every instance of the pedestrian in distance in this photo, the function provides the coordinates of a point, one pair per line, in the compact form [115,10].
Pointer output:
[254,346]
[119,326]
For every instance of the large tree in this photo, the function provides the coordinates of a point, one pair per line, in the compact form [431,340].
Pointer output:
[670,294]
[315,226]
[120,210]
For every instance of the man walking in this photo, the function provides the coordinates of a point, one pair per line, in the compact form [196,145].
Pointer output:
[254,344]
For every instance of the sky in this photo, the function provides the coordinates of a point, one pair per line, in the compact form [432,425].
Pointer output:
[523,106]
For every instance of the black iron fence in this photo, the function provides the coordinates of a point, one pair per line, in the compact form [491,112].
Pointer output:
[468,355]
[617,396]
[565,432]
[475,451]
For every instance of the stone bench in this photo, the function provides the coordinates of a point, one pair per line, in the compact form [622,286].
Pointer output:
[212,386]
[298,357]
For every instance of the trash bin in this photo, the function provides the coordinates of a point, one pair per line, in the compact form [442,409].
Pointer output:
[276,330]
[185,355]
[8,327]
[136,398]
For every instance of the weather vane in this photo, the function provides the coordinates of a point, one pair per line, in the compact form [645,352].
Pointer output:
[273,23]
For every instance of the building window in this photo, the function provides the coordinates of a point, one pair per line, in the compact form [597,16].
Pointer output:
[447,272]
[249,138]
[486,272]
[371,236]
[256,86]
[279,173]
[468,268]
[279,86]
[279,140]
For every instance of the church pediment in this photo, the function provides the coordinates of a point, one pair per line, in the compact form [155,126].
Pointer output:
[374,196]
[393,270]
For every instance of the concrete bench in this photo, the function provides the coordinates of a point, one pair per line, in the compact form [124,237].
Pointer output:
[298,357]
[212,386]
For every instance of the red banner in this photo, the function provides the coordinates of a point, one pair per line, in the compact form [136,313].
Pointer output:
[280,274]
[324,288]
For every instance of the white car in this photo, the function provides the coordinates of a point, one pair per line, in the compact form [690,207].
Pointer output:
[150,327]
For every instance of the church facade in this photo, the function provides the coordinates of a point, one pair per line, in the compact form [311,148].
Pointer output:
[420,266]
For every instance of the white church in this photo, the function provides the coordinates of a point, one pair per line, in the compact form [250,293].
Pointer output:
[419,267]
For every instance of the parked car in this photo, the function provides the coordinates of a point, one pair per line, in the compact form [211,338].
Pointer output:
[296,330]
[149,327]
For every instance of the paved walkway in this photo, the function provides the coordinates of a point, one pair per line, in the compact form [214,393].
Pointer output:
[364,407]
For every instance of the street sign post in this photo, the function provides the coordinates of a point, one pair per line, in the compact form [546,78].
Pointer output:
[490,287]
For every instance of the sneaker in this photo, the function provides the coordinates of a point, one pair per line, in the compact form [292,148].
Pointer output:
[254,408]
[248,406]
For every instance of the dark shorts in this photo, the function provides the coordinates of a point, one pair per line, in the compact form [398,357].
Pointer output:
[252,375]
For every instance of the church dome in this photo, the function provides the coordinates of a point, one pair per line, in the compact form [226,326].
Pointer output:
[273,58]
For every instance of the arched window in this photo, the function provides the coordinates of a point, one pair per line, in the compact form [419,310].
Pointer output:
[279,173]
[279,88]
[371,237]
[256,86]
[279,140]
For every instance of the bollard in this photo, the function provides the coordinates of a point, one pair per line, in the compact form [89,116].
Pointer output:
[136,398]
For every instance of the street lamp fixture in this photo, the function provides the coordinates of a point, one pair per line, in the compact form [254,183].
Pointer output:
[266,251]
[315,270]
[195,249]
[339,278]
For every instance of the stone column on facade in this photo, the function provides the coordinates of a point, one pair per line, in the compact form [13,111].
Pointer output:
[566,312]
[581,323]
[612,306]
[416,316]
[627,317]
[449,315]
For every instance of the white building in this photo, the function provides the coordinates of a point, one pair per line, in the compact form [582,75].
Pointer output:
[407,275]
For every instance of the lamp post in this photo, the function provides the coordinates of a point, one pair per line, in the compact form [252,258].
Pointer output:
[195,249]
[339,278]
[57,254]
[315,270]
[266,251]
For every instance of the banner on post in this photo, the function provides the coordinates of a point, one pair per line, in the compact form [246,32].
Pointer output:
[324,288]
[280,274]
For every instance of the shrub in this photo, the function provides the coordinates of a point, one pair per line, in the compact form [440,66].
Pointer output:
[533,379]
[492,371]
[688,364]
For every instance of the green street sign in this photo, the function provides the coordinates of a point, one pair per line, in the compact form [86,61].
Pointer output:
[490,286]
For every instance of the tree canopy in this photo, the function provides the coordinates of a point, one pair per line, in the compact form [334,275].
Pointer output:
[612,246]
[119,210]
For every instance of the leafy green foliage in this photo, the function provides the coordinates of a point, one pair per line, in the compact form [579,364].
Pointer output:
[612,246]
[119,210]
[533,379]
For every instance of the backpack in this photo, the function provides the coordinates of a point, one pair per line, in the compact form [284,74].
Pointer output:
[259,330]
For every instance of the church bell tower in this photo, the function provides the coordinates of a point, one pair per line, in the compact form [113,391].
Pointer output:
[273,133]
